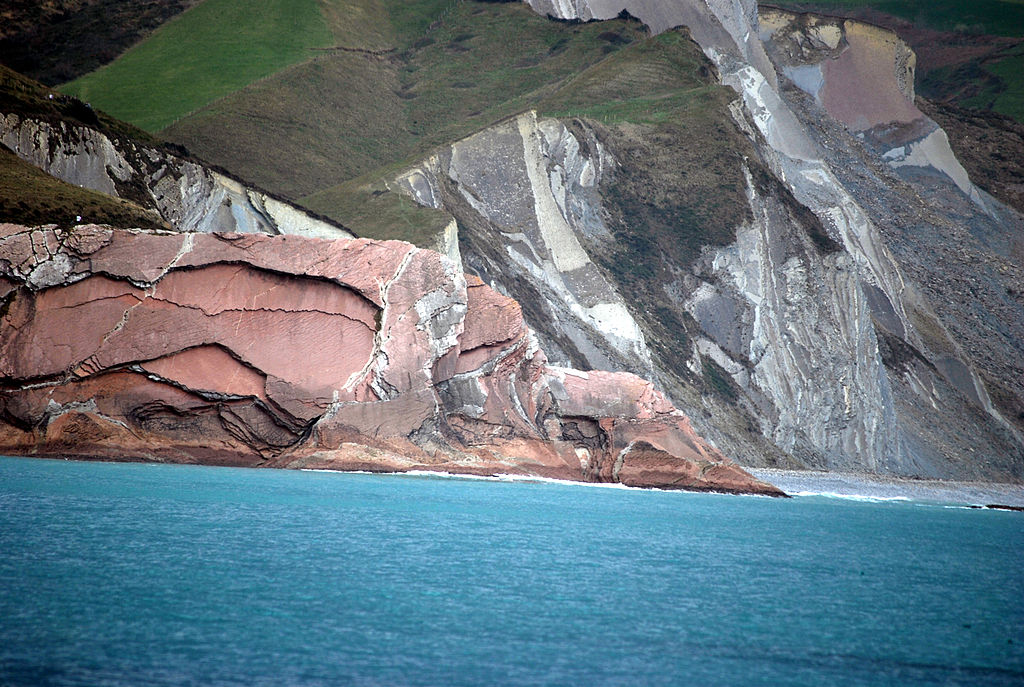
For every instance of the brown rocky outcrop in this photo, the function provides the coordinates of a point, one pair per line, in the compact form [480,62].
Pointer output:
[283,351]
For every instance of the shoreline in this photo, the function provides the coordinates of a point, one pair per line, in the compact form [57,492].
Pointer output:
[795,483]
[885,487]
[446,471]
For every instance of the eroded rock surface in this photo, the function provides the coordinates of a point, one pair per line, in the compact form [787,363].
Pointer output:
[187,195]
[291,352]
[867,316]
[524,194]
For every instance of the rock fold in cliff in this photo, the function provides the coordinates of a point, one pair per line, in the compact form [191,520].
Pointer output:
[292,352]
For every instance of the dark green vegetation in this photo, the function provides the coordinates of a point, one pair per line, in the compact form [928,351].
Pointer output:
[54,41]
[32,197]
[970,54]
[1009,72]
[205,53]
[681,183]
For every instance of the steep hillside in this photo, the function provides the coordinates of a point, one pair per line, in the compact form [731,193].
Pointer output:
[54,41]
[398,81]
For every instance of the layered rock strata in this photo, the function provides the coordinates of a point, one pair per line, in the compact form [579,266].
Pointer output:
[524,195]
[247,349]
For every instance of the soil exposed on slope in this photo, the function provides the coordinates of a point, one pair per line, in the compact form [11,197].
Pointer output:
[989,145]
[950,64]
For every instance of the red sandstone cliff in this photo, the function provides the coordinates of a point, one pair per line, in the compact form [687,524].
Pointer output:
[289,352]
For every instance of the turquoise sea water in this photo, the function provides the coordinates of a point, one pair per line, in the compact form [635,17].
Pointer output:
[131,574]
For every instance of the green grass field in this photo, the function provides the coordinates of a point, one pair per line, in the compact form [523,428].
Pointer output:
[1011,72]
[203,54]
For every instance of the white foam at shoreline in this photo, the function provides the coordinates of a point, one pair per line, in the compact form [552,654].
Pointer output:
[502,477]
[507,477]
[794,483]
[850,497]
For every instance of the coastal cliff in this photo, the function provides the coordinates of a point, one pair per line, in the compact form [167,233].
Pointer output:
[821,305]
[745,206]
[245,349]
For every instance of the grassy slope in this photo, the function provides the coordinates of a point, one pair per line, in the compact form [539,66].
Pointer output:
[202,54]
[24,96]
[662,111]
[1009,71]
[55,41]
[446,75]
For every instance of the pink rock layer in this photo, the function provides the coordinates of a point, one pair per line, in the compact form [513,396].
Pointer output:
[302,353]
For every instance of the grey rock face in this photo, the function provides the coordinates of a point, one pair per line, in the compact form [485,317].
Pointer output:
[189,196]
[851,356]
[524,192]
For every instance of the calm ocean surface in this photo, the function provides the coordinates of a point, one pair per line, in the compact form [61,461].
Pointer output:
[129,574]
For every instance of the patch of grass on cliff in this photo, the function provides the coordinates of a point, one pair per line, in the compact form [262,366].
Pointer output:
[373,212]
[656,106]
[647,82]
[31,197]
[719,380]
[203,54]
